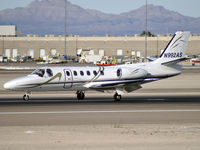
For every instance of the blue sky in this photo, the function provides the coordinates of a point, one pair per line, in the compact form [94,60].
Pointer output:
[185,7]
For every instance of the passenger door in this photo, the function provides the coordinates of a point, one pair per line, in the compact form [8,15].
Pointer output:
[68,78]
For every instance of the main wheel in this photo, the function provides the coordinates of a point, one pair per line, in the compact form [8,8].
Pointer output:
[117,97]
[26,97]
[80,95]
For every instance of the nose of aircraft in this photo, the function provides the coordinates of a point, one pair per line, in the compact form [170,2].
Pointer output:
[6,85]
[15,84]
[9,85]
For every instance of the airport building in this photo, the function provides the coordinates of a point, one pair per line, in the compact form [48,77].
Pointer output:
[8,30]
[38,47]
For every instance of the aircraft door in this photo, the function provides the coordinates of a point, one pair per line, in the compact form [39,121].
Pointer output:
[68,78]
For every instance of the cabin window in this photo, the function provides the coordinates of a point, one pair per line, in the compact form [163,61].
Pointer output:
[88,73]
[67,73]
[49,72]
[82,73]
[75,73]
[119,72]
[102,73]
[39,72]
[95,73]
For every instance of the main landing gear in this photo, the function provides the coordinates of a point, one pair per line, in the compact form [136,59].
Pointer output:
[117,97]
[80,95]
[26,96]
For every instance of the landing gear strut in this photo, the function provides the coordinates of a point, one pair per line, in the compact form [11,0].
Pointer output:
[117,97]
[26,96]
[80,95]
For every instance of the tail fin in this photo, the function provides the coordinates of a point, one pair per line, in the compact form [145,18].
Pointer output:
[176,48]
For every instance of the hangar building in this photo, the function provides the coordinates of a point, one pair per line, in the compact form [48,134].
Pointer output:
[35,46]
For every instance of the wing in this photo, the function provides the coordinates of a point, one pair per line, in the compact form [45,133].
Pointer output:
[125,85]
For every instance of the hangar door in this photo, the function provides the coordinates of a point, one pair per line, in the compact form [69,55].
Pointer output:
[7,53]
[101,52]
[31,53]
[119,52]
[14,53]
[42,53]
[53,52]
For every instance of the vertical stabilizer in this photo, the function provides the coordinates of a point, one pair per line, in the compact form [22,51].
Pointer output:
[176,48]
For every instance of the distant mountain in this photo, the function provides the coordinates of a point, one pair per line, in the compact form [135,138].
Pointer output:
[47,17]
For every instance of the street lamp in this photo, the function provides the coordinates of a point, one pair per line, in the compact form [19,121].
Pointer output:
[65,27]
[145,52]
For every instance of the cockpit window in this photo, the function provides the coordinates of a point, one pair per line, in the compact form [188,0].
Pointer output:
[39,72]
[49,72]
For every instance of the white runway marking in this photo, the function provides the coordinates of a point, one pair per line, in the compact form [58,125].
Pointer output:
[30,132]
[98,111]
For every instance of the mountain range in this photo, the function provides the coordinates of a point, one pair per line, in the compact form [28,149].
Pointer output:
[47,17]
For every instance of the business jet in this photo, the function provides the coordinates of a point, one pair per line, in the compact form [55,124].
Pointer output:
[120,78]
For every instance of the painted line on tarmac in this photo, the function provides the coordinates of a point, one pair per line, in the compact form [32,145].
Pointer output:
[98,111]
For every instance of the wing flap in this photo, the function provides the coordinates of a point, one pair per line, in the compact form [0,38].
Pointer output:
[132,87]
[127,85]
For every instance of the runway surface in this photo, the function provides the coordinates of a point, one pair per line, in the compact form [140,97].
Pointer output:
[135,110]
[141,122]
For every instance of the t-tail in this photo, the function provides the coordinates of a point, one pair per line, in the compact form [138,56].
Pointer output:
[175,50]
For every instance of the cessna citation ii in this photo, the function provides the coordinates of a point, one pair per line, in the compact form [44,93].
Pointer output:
[120,78]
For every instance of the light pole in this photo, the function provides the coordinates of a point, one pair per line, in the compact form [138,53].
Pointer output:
[157,46]
[145,52]
[2,44]
[76,42]
[65,51]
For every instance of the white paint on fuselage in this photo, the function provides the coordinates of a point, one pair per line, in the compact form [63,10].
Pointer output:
[33,82]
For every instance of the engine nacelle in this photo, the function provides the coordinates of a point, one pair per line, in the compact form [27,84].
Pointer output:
[131,73]
[138,73]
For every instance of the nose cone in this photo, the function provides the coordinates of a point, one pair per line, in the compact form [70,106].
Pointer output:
[9,85]
[15,84]
[6,86]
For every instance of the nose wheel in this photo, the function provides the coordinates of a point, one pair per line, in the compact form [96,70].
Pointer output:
[80,95]
[117,97]
[26,96]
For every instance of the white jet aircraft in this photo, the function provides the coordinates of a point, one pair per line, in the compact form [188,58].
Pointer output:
[120,78]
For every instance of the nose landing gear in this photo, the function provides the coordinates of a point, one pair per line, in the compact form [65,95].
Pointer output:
[80,95]
[26,96]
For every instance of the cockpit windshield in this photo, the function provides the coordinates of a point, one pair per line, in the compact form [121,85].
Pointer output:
[49,72]
[39,72]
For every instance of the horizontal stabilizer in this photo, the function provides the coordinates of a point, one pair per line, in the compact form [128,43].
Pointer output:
[174,61]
